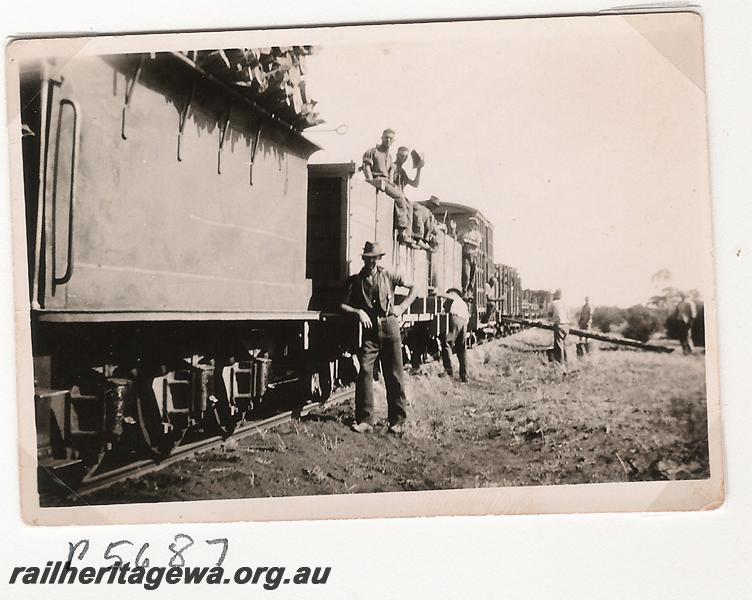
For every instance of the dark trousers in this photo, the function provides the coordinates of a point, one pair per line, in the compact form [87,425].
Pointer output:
[469,265]
[686,337]
[490,312]
[424,223]
[560,344]
[403,208]
[403,213]
[454,339]
[382,342]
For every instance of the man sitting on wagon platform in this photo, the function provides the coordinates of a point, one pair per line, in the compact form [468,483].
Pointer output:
[425,226]
[380,172]
[370,295]
[471,243]
[403,208]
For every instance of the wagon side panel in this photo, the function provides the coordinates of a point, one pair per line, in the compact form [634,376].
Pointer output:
[210,237]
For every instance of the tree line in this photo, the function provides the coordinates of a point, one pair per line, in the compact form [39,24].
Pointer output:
[658,315]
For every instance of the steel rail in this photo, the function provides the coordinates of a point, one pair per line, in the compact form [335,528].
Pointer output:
[145,466]
[149,465]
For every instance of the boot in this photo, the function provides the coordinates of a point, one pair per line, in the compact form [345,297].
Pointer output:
[403,237]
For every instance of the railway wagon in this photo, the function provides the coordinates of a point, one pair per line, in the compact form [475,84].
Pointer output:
[537,303]
[344,212]
[460,215]
[511,291]
[166,219]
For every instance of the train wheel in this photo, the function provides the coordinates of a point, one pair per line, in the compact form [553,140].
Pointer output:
[322,382]
[163,421]
[149,418]
[221,416]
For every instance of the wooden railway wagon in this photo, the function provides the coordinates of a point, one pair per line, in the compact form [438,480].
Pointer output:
[460,215]
[511,291]
[166,218]
[537,303]
[344,212]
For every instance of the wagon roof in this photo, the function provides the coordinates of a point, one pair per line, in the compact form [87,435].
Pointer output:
[464,209]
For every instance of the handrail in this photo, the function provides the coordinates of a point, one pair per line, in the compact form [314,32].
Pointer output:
[71,195]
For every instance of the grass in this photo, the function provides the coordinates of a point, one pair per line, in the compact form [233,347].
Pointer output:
[620,416]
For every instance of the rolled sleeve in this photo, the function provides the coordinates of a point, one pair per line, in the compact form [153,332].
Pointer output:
[368,158]
[398,280]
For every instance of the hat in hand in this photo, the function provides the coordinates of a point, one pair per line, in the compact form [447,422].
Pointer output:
[419,159]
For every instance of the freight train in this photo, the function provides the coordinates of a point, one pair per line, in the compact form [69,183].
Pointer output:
[186,262]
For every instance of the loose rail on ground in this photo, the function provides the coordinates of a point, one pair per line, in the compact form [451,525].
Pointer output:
[595,336]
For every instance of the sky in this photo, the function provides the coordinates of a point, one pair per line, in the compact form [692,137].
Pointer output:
[582,139]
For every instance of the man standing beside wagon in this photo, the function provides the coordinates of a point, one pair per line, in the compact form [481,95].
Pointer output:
[369,294]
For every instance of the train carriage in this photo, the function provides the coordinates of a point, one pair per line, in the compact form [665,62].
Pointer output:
[167,237]
[459,215]
[186,264]
[344,211]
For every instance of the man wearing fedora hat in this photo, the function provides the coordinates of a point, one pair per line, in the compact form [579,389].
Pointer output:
[471,243]
[369,294]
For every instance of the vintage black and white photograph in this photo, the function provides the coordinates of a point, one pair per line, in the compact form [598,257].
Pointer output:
[389,270]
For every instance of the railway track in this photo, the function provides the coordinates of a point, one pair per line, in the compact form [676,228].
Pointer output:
[142,467]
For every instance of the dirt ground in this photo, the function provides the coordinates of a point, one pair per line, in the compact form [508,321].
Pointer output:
[622,416]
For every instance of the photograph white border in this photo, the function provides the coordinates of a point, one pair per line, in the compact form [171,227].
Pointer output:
[691,555]
[585,498]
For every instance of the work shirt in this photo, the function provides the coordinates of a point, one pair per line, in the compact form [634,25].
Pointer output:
[457,306]
[490,292]
[471,242]
[687,311]
[560,312]
[399,177]
[379,160]
[375,293]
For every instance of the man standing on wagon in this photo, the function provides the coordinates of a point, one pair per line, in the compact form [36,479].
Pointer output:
[471,243]
[369,294]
